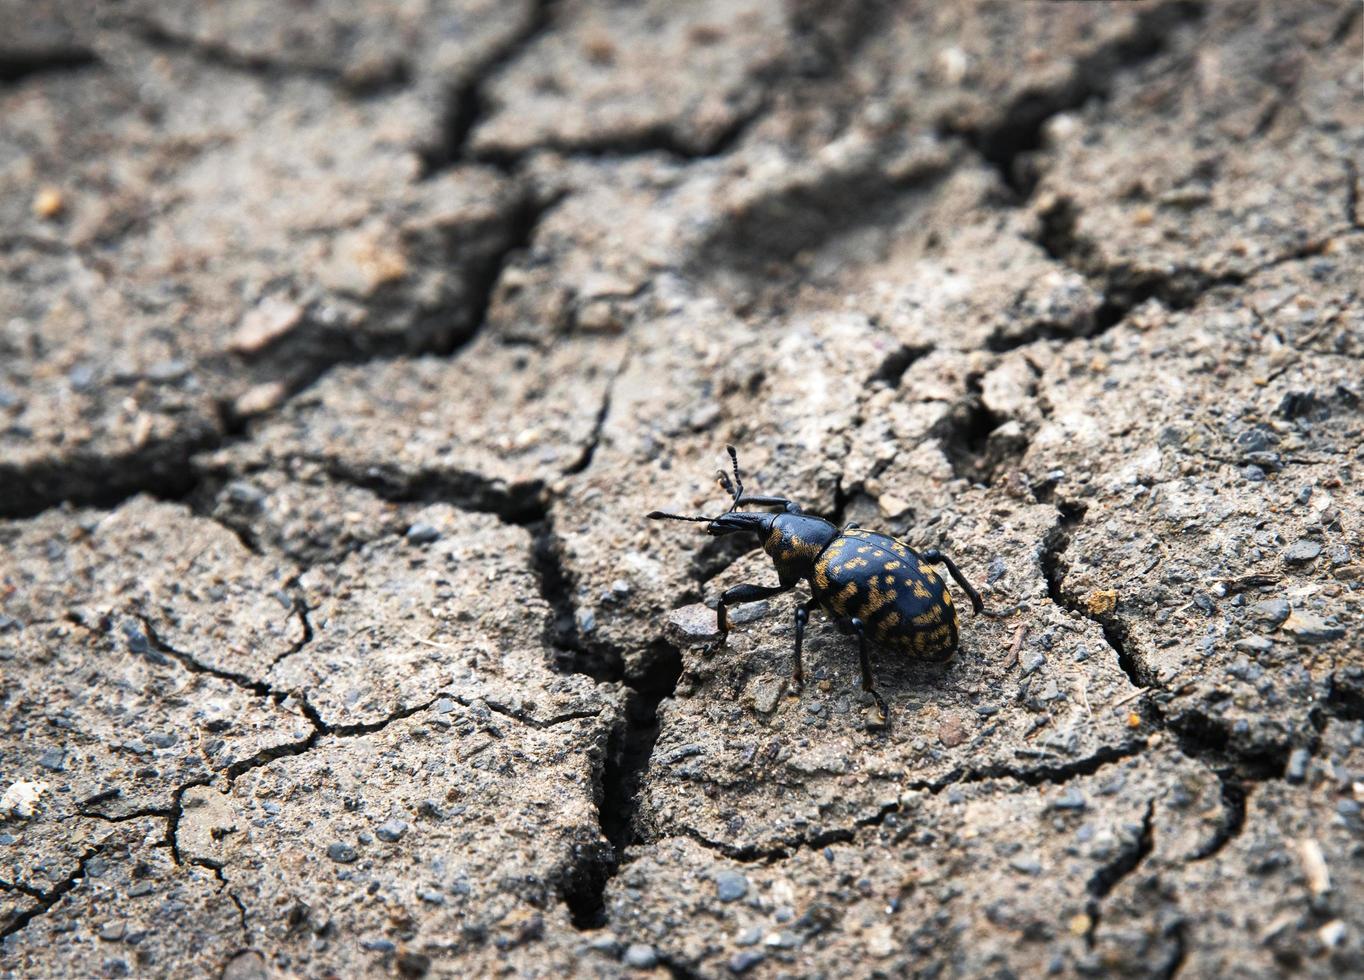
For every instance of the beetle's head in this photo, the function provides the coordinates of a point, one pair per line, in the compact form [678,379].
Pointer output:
[733,520]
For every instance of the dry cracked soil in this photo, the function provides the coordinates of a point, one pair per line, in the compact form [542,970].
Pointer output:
[345,345]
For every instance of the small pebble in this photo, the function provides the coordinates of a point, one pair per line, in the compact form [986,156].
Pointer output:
[750,937]
[641,956]
[730,886]
[1302,550]
[422,534]
[1071,799]
[1308,627]
[1271,611]
[1297,765]
[391,831]
[243,494]
[680,753]
[745,960]
[341,853]
[1255,440]
[747,613]
[48,203]
[1033,661]
[607,945]
[1333,933]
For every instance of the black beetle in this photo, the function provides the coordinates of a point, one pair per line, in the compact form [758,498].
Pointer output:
[870,584]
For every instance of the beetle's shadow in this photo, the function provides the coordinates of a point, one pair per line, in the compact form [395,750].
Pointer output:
[830,654]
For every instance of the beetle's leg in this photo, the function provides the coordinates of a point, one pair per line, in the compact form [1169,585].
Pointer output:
[743,593]
[802,617]
[938,558]
[868,684]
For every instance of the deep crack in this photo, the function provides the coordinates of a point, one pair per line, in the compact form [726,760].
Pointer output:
[466,104]
[628,755]
[46,900]
[1198,736]
[1128,859]
[394,75]
[16,66]
[1021,123]
[1234,816]
[1057,774]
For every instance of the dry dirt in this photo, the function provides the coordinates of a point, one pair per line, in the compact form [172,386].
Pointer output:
[345,345]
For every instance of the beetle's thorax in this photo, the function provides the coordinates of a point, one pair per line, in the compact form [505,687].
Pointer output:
[795,541]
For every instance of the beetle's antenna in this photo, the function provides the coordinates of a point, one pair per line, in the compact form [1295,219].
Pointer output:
[738,488]
[659,515]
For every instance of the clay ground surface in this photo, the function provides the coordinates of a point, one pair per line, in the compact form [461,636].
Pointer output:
[345,345]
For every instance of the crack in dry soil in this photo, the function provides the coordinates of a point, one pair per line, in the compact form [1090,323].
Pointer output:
[1021,124]
[46,900]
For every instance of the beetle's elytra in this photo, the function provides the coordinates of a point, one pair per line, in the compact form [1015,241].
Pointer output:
[872,585]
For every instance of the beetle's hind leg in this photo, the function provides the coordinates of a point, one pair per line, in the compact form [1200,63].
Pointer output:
[938,558]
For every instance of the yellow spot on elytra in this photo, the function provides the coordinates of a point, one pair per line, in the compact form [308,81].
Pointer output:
[921,591]
[929,618]
[878,553]
[925,571]
[854,563]
[877,599]
[890,566]
[864,549]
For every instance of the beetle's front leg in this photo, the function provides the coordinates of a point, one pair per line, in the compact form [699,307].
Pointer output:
[742,593]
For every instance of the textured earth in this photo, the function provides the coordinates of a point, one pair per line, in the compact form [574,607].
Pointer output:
[345,345]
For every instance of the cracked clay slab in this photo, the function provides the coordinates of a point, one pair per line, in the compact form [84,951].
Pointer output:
[444,834]
[453,612]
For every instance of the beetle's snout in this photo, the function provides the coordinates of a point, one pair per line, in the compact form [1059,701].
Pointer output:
[720,527]
[737,521]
